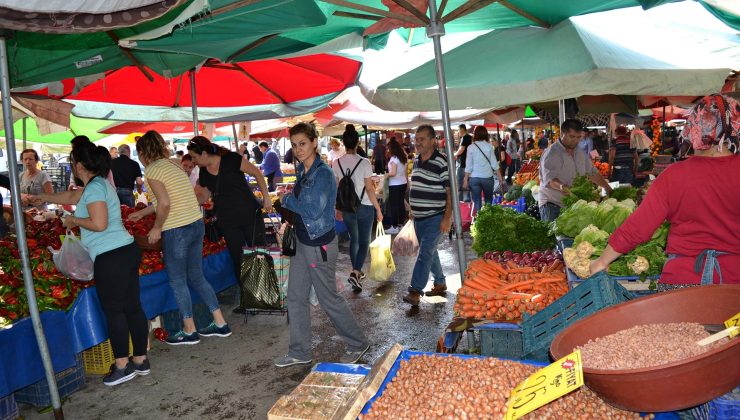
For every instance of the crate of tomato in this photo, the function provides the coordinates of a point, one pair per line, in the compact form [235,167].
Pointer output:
[519,205]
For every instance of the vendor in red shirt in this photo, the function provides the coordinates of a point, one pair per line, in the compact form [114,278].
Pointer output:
[700,198]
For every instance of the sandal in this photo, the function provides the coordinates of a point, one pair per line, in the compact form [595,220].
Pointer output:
[354,281]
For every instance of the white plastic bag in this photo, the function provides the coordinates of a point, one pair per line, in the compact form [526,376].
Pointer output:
[405,244]
[381,260]
[72,259]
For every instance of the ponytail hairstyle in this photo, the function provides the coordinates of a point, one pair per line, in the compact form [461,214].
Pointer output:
[350,137]
[201,144]
[96,159]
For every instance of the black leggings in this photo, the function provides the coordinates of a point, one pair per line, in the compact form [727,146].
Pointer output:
[236,237]
[396,209]
[117,281]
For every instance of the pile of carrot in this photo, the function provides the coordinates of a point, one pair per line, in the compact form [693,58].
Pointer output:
[505,292]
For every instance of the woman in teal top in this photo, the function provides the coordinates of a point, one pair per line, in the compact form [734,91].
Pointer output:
[116,257]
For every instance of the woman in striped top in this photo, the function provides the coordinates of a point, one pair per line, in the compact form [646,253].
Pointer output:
[180,225]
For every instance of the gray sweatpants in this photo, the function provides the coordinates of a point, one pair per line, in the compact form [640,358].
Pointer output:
[309,268]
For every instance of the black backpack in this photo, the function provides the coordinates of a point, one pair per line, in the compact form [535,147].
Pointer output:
[347,199]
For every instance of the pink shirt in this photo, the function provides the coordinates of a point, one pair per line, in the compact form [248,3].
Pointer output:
[700,197]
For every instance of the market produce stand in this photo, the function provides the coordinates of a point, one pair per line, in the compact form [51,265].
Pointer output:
[335,390]
[83,326]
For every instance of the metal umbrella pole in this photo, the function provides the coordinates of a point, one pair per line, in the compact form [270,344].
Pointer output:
[435,30]
[24,133]
[236,141]
[20,229]
[194,103]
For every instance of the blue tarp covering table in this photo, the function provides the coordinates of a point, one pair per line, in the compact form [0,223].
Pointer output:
[84,326]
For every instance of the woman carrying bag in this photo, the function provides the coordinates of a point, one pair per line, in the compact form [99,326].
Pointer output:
[238,212]
[359,222]
[115,257]
[311,206]
[481,168]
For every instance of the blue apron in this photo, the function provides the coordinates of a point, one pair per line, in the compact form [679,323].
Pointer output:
[707,258]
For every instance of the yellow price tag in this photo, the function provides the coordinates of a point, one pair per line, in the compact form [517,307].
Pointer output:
[546,385]
[734,322]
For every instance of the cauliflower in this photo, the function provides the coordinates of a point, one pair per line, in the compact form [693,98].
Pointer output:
[582,268]
[639,266]
[569,255]
[584,250]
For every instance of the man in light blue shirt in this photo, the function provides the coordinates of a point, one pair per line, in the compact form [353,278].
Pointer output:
[587,143]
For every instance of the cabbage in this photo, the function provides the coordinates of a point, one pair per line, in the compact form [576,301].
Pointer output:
[529,185]
[611,214]
[573,219]
[593,235]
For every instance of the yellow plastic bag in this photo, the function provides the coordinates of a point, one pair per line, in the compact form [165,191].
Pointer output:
[381,260]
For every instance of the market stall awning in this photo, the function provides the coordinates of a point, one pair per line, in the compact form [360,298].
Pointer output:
[160,127]
[77,126]
[190,32]
[230,92]
[352,107]
[587,55]
[49,115]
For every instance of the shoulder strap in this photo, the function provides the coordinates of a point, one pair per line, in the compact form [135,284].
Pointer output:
[481,152]
[340,167]
[359,161]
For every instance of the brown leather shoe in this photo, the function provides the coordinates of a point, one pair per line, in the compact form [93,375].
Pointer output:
[437,290]
[413,297]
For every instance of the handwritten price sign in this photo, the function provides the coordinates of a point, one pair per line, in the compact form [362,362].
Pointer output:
[546,385]
[734,322]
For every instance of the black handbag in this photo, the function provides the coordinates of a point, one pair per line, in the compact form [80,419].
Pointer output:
[289,241]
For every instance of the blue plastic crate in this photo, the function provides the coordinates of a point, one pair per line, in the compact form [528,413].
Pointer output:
[68,381]
[8,408]
[519,207]
[726,407]
[563,242]
[591,296]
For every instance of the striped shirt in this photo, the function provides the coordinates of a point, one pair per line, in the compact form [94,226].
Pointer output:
[429,179]
[184,208]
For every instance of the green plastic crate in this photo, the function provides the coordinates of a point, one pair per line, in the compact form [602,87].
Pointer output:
[500,340]
[593,295]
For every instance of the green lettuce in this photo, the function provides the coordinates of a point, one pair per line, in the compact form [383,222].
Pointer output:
[573,219]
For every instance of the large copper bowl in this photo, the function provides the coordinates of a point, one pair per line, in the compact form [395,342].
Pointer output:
[672,386]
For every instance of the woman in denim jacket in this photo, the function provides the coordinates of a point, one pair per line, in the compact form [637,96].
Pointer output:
[311,208]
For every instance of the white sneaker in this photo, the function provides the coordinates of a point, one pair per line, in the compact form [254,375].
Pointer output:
[392,230]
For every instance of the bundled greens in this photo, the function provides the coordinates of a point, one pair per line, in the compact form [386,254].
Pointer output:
[502,229]
[623,193]
[582,189]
